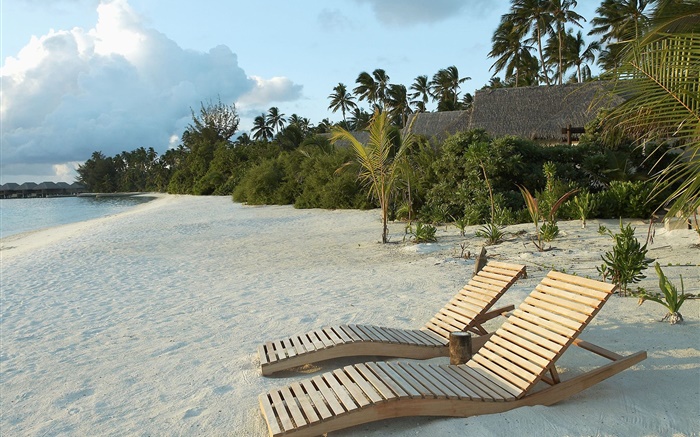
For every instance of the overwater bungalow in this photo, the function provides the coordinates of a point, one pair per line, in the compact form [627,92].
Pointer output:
[45,189]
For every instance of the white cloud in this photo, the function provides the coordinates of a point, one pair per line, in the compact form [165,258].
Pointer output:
[279,89]
[115,87]
[411,12]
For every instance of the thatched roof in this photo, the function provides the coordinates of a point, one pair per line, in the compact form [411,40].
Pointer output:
[27,186]
[537,113]
[438,126]
[361,136]
[46,186]
[9,186]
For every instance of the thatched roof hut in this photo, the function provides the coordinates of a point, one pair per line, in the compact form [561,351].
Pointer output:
[362,136]
[438,126]
[539,112]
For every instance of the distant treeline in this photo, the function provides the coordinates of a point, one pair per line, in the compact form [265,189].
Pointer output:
[438,182]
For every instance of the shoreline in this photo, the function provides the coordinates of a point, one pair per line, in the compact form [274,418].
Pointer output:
[148,321]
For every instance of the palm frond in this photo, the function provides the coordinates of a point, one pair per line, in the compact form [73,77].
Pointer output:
[659,79]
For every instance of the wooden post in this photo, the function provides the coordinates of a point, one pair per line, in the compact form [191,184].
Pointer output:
[460,347]
[480,260]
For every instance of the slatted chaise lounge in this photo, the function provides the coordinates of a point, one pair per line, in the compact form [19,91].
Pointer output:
[501,376]
[467,310]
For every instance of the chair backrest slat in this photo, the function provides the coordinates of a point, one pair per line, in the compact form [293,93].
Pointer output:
[481,293]
[522,350]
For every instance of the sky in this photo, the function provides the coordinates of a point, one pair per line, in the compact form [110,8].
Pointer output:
[80,76]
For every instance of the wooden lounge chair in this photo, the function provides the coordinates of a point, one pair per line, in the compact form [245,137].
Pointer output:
[501,376]
[467,310]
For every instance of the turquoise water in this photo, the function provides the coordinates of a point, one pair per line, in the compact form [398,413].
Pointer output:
[23,215]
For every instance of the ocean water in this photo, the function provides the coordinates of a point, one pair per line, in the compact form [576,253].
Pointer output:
[23,215]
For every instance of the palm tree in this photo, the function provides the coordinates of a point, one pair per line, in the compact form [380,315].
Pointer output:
[467,101]
[341,99]
[399,106]
[512,54]
[534,18]
[659,78]
[372,87]
[366,88]
[243,140]
[275,119]
[618,22]
[261,129]
[577,54]
[379,167]
[421,92]
[324,126]
[382,81]
[562,14]
[445,88]
[302,122]
[359,119]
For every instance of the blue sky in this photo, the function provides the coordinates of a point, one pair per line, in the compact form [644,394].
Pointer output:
[113,75]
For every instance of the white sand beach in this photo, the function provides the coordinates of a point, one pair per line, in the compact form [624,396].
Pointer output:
[147,322]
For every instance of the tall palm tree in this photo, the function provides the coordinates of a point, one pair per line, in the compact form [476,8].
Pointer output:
[660,80]
[618,22]
[562,14]
[398,103]
[445,88]
[302,122]
[275,119]
[577,54]
[324,126]
[341,99]
[261,129]
[512,54]
[372,87]
[421,93]
[532,17]
[243,140]
[359,119]
[366,88]
[382,81]
[380,167]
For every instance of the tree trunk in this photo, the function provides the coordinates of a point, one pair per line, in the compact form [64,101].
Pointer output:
[539,48]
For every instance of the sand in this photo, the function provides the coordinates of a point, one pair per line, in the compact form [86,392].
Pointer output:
[147,322]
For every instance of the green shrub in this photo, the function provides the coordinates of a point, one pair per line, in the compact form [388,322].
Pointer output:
[627,199]
[424,233]
[626,262]
[260,184]
[549,231]
[493,233]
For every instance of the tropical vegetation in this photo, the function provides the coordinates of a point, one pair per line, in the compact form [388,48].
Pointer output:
[633,160]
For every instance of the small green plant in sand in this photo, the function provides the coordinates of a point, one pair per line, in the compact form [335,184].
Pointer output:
[585,204]
[492,232]
[551,230]
[461,224]
[669,299]
[424,233]
[627,260]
